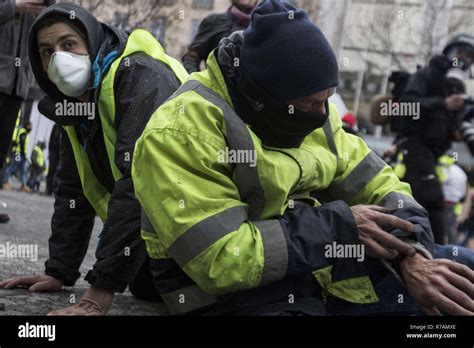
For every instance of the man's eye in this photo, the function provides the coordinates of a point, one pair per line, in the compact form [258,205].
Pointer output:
[47,53]
[69,44]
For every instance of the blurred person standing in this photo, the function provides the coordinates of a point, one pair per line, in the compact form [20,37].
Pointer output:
[16,17]
[16,77]
[19,161]
[438,90]
[38,166]
[455,189]
[215,27]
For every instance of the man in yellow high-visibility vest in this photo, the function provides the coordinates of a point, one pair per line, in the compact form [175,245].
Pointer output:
[102,85]
[38,165]
[256,201]
[19,161]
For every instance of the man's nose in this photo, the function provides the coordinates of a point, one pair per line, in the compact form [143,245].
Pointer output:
[320,108]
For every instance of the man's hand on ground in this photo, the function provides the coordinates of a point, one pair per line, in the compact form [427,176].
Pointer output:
[94,302]
[371,220]
[31,7]
[439,284]
[36,283]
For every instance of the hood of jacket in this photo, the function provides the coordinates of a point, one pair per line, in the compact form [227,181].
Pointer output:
[101,40]
[227,54]
[228,51]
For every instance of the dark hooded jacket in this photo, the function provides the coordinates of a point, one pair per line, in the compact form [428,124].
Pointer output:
[429,87]
[15,80]
[212,29]
[141,85]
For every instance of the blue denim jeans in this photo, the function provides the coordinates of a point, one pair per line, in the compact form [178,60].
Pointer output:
[394,298]
[22,165]
[34,179]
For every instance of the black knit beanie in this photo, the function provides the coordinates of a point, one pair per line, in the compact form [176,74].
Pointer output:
[286,54]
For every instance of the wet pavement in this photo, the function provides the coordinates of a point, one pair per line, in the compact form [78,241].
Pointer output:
[30,224]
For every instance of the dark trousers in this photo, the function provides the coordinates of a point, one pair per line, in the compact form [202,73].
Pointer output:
[9,108]
[33,181]
[421,163]
[143,287]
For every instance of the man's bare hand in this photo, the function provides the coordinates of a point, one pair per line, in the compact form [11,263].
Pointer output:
[31,7]
[391,151]
[454,102]
[94,302]
[439,284]
[371,221]
[36,283]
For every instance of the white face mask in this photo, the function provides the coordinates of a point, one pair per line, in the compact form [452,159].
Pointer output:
[70,72]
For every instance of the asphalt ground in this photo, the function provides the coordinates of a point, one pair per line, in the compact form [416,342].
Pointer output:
[30,224]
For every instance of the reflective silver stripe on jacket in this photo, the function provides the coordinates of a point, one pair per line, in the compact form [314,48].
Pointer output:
[275,251]
[205,233]
[330,138]
[358,178]
[395,200]
[187,299]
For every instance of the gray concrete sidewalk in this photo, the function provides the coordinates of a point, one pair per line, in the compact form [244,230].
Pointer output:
[30,222]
